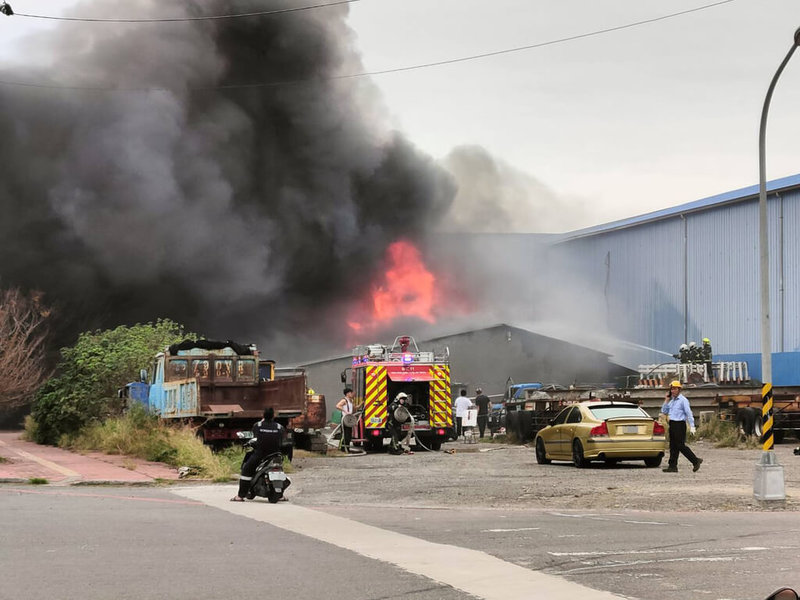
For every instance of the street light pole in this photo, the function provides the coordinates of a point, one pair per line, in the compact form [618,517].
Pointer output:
[766,343]
[769,482]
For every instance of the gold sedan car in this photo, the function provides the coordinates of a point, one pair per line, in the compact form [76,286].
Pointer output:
[601,430]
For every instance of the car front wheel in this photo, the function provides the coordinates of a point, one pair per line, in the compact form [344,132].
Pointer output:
[541,453]
[577,455]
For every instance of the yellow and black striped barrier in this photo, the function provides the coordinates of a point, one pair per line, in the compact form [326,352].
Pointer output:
[767,438]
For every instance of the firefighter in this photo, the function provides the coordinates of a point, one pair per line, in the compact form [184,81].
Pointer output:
[705,357]
[683,354]
[396,427]
[694,353]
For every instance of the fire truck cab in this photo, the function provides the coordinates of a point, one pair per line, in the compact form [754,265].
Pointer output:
[381,372]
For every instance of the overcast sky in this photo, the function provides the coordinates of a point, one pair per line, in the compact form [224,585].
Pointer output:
[629,121]
[611,125]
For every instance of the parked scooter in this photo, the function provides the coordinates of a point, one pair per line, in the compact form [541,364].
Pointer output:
[270,480]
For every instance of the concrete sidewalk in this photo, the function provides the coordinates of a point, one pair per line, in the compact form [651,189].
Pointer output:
[25,461]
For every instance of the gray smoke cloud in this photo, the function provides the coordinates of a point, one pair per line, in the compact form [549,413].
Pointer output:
[495,197]
[251,213]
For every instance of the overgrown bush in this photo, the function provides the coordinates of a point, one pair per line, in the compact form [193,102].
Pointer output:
[84,389]
[725,434]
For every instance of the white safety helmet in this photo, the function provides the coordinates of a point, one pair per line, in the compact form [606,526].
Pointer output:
[692,344]
[401,396]
[684,347]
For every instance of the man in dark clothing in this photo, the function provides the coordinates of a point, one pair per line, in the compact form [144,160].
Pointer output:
[683,354]
[482,402]
[694,353]
[268,436]
[706,355]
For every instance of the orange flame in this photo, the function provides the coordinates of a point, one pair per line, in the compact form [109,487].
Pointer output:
[407,290]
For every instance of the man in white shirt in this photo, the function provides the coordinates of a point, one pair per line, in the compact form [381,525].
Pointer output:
[462,405]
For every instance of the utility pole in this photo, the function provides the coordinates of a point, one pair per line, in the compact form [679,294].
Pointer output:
[768,483]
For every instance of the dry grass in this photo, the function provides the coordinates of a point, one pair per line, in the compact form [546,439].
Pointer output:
[725,434]
[139,435]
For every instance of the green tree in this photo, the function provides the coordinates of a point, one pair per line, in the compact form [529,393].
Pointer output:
[89,374]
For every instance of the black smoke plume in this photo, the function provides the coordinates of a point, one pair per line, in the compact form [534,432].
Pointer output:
[253,213]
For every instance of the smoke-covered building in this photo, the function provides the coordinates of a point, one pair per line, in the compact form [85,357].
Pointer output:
[681,274]
[487,358]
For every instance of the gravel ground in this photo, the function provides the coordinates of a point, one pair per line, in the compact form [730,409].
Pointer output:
[498,475]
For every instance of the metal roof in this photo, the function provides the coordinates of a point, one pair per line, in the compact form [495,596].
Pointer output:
[747,193]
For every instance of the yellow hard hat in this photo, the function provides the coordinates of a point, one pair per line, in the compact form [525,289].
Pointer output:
[706,341]
[676,384]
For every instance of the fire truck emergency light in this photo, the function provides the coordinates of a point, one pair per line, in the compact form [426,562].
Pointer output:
[408,358]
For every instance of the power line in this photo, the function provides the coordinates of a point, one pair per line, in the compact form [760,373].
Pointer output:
[178,19]
[539,45]
[384,71]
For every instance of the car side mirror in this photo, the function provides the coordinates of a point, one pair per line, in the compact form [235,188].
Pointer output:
[143,376]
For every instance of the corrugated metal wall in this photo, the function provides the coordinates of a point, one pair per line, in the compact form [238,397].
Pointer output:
[788,338]
[695,275]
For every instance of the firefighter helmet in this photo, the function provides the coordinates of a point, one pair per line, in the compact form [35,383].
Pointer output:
[684,347]
[692,345]
[706,341]
[401,396]
[676,384]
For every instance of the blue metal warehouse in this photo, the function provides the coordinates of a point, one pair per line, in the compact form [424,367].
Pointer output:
[678,275]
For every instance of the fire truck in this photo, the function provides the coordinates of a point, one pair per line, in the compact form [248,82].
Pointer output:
[380,372]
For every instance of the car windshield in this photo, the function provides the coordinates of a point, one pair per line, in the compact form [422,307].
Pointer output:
[602,413]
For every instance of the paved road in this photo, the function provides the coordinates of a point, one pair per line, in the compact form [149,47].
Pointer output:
[97,543]
[190,541]
[94,543]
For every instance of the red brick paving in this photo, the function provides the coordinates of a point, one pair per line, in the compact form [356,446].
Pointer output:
[26,460]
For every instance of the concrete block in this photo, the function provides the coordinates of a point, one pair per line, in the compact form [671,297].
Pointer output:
[768,483]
